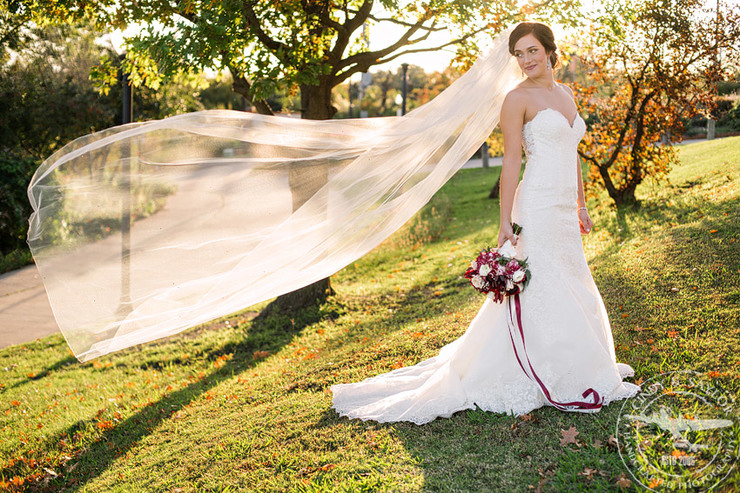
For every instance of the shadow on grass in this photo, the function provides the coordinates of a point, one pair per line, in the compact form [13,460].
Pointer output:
[89,461]
[64,362]
[684,283]
[476,450]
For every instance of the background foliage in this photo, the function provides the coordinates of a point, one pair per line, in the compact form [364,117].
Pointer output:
[652,65]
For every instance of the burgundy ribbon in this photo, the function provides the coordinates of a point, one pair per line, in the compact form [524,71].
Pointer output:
[563,406]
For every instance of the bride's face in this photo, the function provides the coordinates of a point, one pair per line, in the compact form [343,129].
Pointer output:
[531,56]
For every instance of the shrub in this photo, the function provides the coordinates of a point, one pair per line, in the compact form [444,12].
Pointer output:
[15,175]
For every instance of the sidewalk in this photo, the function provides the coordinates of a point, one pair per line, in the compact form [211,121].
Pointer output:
[25,313]
[478,162]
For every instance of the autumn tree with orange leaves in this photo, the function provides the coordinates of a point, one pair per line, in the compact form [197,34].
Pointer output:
[652,65]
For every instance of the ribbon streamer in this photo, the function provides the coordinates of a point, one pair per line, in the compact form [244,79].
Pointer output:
[516,330]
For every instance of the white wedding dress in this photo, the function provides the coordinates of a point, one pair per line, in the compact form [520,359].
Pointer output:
[566,329]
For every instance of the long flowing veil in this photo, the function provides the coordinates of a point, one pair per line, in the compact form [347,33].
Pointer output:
[143,230]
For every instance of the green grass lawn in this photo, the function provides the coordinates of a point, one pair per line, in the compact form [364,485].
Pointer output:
[237,405]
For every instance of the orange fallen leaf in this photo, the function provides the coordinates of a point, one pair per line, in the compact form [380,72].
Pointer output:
[569,436]
[612,441]
[623,481]
[587,473]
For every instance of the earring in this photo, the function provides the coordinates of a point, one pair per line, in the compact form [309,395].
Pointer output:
[548,64]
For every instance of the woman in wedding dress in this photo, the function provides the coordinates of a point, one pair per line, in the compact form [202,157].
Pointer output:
[564,355]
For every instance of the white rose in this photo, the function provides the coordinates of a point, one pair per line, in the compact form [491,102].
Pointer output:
[517,276]
[485,269]
[473,265]
[477,281]
[509,284]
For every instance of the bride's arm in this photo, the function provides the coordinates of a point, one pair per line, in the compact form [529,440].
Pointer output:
[512,120]
[583,218]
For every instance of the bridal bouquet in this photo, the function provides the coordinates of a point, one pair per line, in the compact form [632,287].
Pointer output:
[496,273]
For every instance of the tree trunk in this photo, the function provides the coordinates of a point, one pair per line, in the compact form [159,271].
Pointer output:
[495,190]
[305,180]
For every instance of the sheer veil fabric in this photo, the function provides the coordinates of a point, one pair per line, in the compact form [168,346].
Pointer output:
[218,224]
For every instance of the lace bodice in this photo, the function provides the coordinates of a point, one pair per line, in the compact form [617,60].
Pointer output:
[550,145]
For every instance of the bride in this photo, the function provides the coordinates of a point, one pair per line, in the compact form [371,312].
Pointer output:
[564,355]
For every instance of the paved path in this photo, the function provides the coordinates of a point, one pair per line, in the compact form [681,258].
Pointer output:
[25,313]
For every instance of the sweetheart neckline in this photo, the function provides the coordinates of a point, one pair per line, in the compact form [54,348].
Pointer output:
[571,125]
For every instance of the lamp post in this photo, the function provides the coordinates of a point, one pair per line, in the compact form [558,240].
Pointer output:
[126,158]
[404,87]
[711,124]
[398,101]
[349,94]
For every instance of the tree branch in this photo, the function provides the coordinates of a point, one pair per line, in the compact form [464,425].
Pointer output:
[12,27]
[363,61]
[360,17]
[349,26]
[403,23]
[639,132]
[188,16]
[253,22]
[242,86]
[366,59]
[321,9]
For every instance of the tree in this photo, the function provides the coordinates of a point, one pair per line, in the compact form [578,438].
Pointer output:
[304,46]
[651,65]
[47,100]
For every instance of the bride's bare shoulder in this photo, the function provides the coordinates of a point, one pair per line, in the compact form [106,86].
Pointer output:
[567,89]
[518,92]
[514,102]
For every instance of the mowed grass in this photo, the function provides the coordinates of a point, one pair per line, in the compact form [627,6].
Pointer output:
[238,405]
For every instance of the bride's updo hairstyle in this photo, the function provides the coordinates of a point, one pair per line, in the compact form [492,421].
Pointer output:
[542,32]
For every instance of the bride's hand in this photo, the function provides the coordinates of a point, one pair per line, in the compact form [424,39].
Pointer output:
[506,232]
[585,221]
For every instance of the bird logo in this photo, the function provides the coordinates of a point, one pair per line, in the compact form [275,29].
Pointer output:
[678,426]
